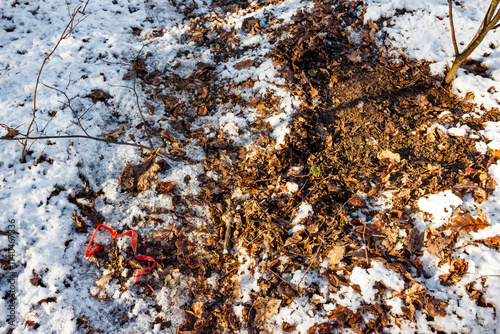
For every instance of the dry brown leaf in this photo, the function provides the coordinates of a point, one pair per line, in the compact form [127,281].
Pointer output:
[149,107]
[244,64]
[491,241]
[496,154]
[104,280]
[266,308]
[81,226]
[236,280]
[113,134]
[355,56]
[356,202]
[467,224]
[139,177]
[336,254]
[130,75]
[388,155]
[253,101]
[469,96]
[93,259]
[421,100]
[333,81]
[11,133]
[435,307]
[252,25]
[166,187]
[313,92]
[202,110]
[36,279]
[414,240]
[197,308]
[436,243]
[47,300]
[458,269]
[98,95]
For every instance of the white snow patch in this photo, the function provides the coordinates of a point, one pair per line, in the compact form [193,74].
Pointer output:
[440,206]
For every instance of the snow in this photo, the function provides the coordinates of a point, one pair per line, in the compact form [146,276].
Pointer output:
[96,56]
[367,278]
[304,211]
[440,206]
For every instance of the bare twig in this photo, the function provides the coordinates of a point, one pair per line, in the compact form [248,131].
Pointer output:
[227,236]
[452,28]
[366,245]
[139,109]
[26,139]
[68,104]
[490,21]
[65,34]
[85,7]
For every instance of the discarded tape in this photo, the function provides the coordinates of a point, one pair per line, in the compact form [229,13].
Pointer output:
[133,242]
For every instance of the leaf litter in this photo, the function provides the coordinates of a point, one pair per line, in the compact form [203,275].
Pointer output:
[366,139]
[367,125]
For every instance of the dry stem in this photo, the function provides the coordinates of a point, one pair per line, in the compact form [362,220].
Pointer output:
[26,139]
[452,28]
[65,34]
[488,24]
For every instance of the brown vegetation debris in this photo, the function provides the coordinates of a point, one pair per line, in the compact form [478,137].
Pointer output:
[139,177]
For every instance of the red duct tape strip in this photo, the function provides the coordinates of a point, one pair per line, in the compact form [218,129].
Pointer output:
[133,243]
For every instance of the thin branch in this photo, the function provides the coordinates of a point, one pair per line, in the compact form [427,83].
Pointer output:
[452,28]
[65,34]
[489,13]
[24,138]
[139,109]
[86,111]
[69,106]
[85,7]
[489,23]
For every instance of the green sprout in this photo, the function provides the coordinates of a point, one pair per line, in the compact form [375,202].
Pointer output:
[313,73]
[57,189]
[315,170]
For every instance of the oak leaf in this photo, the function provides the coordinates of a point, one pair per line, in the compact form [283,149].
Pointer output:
[491,241]
[467,224]
[356,202]
[166,187]
[266,308]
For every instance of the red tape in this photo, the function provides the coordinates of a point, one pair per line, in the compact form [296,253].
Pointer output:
[133,243]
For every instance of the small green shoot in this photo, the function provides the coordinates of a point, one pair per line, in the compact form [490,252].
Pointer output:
[313,73]
[315,170]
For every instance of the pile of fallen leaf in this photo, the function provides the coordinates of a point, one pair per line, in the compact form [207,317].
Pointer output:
[366,126]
